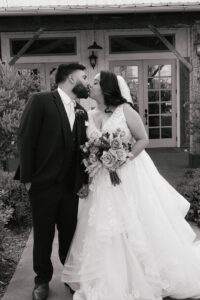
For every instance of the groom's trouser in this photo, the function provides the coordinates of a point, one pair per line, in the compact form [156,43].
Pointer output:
[56,205]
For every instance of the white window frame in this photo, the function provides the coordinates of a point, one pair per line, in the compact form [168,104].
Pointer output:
[5,42]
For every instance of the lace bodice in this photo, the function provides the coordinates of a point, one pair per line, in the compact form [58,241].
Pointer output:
[115,121]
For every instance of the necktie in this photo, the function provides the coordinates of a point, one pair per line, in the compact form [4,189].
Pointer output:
[71,115]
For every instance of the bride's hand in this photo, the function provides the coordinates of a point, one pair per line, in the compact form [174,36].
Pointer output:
[83,192]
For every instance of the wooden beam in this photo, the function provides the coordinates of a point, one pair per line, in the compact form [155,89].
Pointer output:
[25,47]
[106,21]
[171,47]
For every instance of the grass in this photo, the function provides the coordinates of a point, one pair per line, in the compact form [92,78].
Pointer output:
[13,246]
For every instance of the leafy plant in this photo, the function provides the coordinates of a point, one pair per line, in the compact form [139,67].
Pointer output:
[14,202]
[16,86]
[189,187]
[6,212]
[193,124]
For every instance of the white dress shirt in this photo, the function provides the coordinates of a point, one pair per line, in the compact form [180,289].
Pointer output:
[69,106]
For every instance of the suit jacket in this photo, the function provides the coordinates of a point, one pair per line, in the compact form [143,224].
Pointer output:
[49,151]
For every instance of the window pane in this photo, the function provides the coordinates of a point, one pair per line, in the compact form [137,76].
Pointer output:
[125,44]
[165,83]
[154,121]
[166,121]
[165,70]
[153,96]
[153,83]
[153,71]
[153,109]
[166,133]
[166,108]
[133,84]
[166,95]
[154,133]
[45,46]
[132,71]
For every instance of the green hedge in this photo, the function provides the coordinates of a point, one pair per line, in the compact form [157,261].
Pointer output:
[13,202]
[5,214]
[189,187]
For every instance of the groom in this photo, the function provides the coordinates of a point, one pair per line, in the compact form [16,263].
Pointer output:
[52,128]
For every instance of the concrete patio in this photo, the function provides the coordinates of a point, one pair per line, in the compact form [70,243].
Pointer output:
[171,164]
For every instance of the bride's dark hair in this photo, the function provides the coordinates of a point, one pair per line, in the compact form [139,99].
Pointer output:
[111,91]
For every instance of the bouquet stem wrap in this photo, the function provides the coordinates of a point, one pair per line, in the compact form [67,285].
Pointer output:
[114,178]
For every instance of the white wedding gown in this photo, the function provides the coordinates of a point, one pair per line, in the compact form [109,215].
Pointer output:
[132,241]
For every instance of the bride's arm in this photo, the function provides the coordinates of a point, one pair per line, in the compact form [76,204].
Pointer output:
[137,129]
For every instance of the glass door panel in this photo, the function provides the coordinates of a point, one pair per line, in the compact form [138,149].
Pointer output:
[131,71]
[160,102]
[35,69]
[153,89]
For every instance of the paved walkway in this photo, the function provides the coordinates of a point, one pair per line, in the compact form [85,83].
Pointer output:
[171,163]
[21,285]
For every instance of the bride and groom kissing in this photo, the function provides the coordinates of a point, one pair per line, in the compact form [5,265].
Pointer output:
[130,241]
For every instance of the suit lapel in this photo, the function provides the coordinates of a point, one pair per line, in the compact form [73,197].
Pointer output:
[63,115]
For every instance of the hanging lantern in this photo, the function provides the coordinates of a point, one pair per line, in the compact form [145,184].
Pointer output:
[93,60]
[95,46]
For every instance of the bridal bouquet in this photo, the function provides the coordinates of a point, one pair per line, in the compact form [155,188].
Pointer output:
[110,150]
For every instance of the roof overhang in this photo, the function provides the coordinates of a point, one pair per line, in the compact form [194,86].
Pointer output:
[106,9]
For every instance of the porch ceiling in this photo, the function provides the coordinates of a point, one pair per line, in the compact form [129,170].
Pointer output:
[32,7]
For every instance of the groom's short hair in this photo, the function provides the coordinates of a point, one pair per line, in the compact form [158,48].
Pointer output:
[64,70]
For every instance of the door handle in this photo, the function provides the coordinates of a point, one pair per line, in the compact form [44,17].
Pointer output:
[146,116]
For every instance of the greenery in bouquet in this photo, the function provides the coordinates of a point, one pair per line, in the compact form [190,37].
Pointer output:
[109,150]
[16,86]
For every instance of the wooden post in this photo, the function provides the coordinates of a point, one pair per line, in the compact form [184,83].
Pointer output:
[171,47]
[25,47]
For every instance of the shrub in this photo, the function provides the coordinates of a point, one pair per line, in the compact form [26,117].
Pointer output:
[194,123]
[16,86]
[14,198]
[189,187]
[6,212]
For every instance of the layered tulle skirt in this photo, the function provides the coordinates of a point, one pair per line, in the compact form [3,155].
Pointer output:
[132,241]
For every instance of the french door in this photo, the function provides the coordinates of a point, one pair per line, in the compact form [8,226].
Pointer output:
[153,88]
[46,72]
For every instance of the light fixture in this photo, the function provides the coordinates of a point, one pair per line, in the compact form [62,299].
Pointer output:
[93,59]
[197,45]
[94,46]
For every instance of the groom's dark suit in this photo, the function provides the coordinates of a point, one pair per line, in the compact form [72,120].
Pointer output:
[50,159]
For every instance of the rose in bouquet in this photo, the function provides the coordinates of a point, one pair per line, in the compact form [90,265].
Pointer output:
[110,150]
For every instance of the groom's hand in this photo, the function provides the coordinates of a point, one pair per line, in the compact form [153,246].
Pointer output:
[83,192]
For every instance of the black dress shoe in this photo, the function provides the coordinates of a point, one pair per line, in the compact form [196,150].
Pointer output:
[71,291]
[41,291]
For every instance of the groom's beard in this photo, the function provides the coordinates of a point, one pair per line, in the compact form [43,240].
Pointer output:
[81,91]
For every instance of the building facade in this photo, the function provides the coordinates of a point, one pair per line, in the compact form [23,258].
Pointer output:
[160,80]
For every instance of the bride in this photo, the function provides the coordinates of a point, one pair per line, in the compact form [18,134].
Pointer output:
[132,241]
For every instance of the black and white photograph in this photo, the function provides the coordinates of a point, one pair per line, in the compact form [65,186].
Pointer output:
[99,149]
